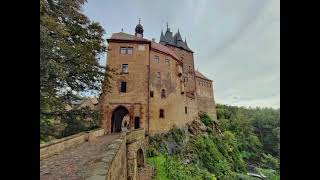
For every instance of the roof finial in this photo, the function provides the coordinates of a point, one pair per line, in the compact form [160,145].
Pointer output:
[139,20]
[167,26]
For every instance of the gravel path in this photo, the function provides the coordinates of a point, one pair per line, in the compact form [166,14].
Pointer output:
[72,163]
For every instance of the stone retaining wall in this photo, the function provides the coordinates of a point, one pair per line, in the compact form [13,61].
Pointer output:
[56,146]
[113,165]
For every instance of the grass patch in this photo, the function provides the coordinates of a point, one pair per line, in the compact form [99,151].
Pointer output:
[158,162]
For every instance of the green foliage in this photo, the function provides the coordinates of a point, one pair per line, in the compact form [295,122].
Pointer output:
[80,120]
[220,155]
[270,162]
[257,130]
[171,167]
[176,135]
[209,130]
[269,173]
[158,163]
[70,47]
[152,152]
[69,123]
[206,119]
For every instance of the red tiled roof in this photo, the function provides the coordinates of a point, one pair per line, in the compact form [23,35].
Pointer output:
[125,36]
[198,74]
[164,49]
[154,45]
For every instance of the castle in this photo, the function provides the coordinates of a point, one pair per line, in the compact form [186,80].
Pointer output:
[155,85]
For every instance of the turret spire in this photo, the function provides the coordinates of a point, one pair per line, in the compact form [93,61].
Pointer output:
[139,30]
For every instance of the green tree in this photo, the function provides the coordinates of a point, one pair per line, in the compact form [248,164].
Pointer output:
[70,47]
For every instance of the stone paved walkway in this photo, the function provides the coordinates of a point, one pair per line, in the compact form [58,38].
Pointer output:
[72,163]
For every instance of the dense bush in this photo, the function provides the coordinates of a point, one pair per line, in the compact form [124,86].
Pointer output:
[171,167]
[257,130]
[70,123]
[268,161]
[206,119]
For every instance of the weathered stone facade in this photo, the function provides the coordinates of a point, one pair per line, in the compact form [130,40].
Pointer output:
[205,97]
[159,83]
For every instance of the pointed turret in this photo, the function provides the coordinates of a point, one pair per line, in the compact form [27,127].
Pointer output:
[168,39]
[178,39]
[162,38]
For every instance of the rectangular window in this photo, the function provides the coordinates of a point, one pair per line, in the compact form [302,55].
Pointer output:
[186,109]
[123,86]
[167,61]
[126,50]
[129,50]
[158,76]
[161,115]
[156,59]
[123,50]
[163,93]
[151,93]
[124,68]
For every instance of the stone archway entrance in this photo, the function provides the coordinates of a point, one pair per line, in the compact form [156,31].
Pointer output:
[117,117]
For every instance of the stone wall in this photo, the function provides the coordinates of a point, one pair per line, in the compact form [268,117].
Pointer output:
[56,146]
[205,97]
[135,141]
[113,166]
[135,97]
[174,103]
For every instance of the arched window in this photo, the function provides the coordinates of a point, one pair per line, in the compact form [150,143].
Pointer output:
[163,93]
[140,158]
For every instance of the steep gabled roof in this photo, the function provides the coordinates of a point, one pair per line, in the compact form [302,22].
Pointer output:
[198,74]
[164,49]
[154,45]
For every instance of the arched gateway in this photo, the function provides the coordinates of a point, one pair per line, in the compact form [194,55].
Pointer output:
[117,117]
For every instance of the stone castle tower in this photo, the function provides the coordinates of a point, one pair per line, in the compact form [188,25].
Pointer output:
[156,85]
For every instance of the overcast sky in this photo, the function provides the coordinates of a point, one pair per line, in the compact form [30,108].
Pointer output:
[235,43]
